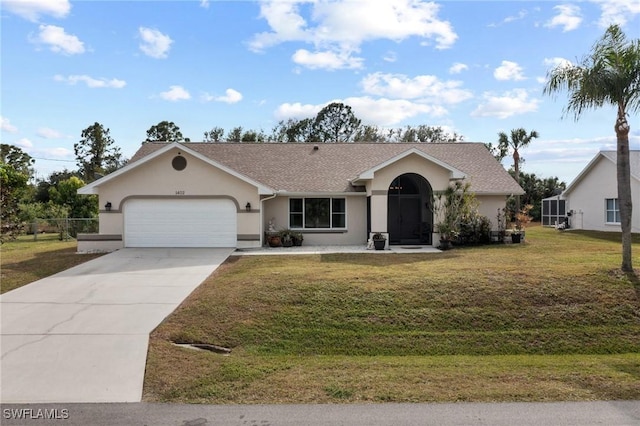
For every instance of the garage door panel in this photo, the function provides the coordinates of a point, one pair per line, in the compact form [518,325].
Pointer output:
[180,223]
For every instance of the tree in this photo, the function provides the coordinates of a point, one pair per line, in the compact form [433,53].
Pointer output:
[165,131]
[536,189]
[20,160]
[427,134]
[497,151]
[12,184]
[66,194]
[609,75]
[214,135]
[293,130]
[519,139]
[43,186]
[96,153]
[235,134]
[335,123]
[369,133]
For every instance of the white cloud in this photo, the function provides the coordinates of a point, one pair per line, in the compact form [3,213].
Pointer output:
[57,152]
[511,103]
[91,82]
[556,62]
[381,112]
[58,40]
[6,126]
[175,93]
[204,3]
[425,87]
[231,97]
[154,43]
[568,17]
[388,112]
[508,71]
[24,143]
[33,9]
[390,56]
[617,11]
[340,27]
[47,133]
[326,60]
[518,17]
[457,68]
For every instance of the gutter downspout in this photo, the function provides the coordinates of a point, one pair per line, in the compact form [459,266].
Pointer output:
[262,216]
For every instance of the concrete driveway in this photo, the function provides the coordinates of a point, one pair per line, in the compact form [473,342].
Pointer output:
[82,335]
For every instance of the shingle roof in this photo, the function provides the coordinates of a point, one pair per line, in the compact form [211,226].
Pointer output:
[331,168]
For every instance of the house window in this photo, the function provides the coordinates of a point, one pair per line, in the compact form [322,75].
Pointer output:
[317,213]
[612,210]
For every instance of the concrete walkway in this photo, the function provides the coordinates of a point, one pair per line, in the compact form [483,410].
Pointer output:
[82,335]
[334,249]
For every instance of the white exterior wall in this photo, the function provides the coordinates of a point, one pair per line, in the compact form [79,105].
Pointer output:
[489,206]
[587,198]
[437,176]
[158,179]
[354,234]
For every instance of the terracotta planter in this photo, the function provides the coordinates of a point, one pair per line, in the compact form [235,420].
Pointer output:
[275,241]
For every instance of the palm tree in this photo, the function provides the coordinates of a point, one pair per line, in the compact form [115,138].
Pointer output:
[609,75]
[519,139]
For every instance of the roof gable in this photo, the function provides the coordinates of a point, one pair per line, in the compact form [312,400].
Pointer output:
[368,174]
[611,156]
[92,188]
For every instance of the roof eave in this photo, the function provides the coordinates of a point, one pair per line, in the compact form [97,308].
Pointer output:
[92,188]
[367,175]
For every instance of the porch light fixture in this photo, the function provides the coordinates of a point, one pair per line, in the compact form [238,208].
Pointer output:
[248,207]
[108,206]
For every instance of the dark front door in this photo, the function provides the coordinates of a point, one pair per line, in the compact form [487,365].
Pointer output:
[408,217]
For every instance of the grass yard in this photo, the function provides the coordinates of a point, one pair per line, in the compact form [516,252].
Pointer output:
[548,320]
[24,260]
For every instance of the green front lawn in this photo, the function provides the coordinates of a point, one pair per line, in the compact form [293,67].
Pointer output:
[25,260]
[551,319]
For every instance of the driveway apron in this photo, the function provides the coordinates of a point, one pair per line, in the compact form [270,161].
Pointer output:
[82,335]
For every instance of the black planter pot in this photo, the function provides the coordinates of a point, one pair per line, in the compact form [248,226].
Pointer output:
[516,238]
[445,244]
[379,244]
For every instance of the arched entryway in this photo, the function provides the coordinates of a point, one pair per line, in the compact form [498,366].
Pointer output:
[409,212]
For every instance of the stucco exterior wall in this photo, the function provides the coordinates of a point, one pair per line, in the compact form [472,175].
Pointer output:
[437,176]
[489,206]
[158,178]
[354,234]
[587,198]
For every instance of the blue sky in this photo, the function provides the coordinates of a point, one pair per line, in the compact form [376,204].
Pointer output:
[473,67]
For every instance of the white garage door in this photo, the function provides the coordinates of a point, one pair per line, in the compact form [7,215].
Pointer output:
[179,223]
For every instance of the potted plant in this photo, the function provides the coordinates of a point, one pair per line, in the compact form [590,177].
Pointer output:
[274,240]
[286,237]
[522,219]
[447,234]
[297,237]
[379,241]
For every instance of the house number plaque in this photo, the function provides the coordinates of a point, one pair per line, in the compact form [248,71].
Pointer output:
[180,192]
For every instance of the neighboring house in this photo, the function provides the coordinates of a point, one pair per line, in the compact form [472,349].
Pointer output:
[228,194]
[591,200]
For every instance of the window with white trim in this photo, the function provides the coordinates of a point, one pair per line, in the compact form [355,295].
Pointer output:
[317,213]
[612,210]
